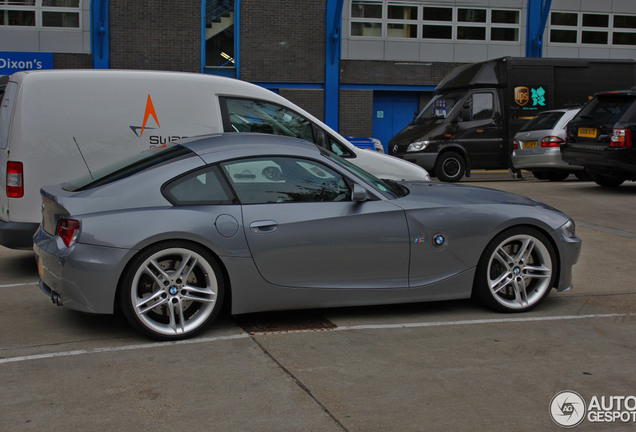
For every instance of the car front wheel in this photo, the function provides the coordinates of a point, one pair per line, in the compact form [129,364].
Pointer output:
[516,271]
[172,291]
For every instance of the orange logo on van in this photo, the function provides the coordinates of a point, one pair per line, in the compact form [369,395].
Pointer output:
[150,111]
[522,95]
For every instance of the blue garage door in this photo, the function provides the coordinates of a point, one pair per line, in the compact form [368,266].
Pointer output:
[391,112]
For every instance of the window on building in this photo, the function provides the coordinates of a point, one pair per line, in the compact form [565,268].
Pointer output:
[41,13]
[219,36]
[592,28]
[402,19]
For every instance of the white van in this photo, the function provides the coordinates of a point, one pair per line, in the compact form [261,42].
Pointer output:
[59,124]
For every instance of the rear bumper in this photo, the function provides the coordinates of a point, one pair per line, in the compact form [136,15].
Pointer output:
[549,159]
[84,276]
[17,235]
[611,161]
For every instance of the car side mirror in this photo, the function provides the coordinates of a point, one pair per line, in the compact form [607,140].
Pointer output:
[359,193]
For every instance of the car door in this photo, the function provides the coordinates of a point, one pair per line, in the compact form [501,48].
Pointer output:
[479,130]
[304,231]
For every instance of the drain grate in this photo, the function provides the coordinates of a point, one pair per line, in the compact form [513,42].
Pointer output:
[283,322]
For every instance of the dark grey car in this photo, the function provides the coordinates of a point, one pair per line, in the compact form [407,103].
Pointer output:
[276,223]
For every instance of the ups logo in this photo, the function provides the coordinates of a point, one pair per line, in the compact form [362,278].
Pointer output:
[522,95]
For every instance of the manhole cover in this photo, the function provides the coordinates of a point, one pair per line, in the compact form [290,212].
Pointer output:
[283,322]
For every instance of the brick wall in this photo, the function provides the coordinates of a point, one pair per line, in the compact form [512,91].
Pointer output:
[155,34]
[72,61]
[396,73]
[283,41]
[311,101]
[356,113]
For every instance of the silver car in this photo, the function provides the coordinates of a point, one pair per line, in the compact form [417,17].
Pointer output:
[270,223]
[536,147]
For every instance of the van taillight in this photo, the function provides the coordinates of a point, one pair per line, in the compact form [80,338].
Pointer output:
[68,229]
[551,141]
[15,180]
[621,138]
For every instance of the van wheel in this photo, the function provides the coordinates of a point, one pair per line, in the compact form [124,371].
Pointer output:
[450,167]
[607,181]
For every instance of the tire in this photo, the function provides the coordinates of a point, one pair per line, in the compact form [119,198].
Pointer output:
[450,167]
[607,181]
[172,290]
[540,175]
[516,271]
[558,175]
[582,175]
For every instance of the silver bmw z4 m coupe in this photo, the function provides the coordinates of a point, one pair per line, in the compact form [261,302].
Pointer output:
[270,223]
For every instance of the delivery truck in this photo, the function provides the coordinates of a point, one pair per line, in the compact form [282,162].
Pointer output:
[477,108]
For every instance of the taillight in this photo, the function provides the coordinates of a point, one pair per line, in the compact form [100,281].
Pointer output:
[621,138]
[68,229]
[515,144]
[15,180]
[551,141]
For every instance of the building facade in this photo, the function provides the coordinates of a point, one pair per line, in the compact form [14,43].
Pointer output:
[363,66]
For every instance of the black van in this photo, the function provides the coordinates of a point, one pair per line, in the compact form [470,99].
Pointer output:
[602,138]
[477,108]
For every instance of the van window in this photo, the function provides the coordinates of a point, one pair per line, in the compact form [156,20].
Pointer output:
[252,115]
[482,106]
[440,106]
[6,109]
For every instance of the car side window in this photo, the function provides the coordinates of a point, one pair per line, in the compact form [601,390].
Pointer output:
[251,115]
[285,180]
[202,187]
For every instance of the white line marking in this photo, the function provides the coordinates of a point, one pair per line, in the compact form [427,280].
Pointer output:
[19,284]
[339,328]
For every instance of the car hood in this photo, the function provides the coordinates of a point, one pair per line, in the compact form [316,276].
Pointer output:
[436,194]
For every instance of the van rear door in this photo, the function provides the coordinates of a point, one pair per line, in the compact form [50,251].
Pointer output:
[6,112]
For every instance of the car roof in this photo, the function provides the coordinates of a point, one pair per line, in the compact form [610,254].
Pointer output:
[226,145]
[630,92]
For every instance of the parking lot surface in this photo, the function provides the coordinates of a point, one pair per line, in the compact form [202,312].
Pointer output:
[445,366]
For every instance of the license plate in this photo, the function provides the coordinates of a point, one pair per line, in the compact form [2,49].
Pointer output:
[587,132]
[530,144]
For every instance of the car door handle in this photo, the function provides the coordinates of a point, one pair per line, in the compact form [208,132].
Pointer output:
[264,226]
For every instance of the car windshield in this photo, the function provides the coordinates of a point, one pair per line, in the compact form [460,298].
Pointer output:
[128,166]
[440,106]
[543,121]
[606,108]
[389,188]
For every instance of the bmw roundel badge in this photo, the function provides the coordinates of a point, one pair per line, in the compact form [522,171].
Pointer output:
[439,239]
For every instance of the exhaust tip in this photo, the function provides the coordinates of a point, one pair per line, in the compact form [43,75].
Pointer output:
[56,299]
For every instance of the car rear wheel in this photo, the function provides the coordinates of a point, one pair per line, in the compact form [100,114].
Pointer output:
[540,174]
[607,181]
[558,175]
[450,167]
[172,290]
[516,271]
